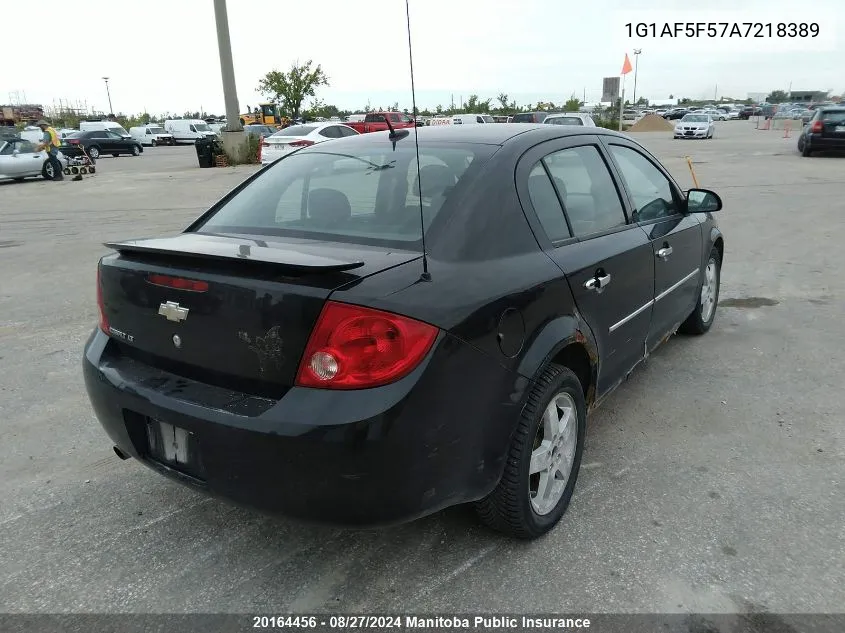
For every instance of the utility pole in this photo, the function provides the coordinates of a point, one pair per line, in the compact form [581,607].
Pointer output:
[637,52]
[111,109]
[227,69]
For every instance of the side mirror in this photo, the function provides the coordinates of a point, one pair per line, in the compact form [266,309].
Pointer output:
[703,201]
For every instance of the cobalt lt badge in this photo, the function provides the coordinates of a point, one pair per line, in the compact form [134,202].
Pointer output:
[177,341]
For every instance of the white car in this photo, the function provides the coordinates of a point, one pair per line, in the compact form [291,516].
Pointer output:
[695,125]
[295,137]
[19,160]
[570,118]
[733,115]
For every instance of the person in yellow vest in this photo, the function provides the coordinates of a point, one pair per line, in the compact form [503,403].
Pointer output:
[50,143]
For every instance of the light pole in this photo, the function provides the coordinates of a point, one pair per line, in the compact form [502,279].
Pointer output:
[637,52]
[227,69]
[111,109]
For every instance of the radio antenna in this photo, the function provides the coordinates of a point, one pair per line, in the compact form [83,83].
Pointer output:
[426,276]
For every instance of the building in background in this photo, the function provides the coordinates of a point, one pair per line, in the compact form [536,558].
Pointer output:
[808,96]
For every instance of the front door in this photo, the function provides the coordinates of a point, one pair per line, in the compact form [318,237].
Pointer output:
[676,240]
[606,258]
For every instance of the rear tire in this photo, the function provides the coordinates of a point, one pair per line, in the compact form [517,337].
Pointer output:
[512,507]
[805,151]
[702,317]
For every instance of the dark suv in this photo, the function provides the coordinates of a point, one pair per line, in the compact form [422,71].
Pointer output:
[530,117]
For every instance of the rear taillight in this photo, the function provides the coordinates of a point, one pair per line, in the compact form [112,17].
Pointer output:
[818,126]
[178,283]
[301,143]
[74,141]
[353,347]
[101,306]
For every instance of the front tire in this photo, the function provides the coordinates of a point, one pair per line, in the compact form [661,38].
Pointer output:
[93,152]
[702,317]
[543,459]
[48,171]
[136,151]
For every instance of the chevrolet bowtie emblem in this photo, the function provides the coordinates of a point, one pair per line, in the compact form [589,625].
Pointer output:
[173,311]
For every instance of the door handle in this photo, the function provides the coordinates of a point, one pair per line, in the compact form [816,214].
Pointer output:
[597,283]
[664,252]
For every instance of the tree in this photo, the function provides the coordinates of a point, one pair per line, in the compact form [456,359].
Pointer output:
[777,96]
[573,105]
[291,88]
[503,101]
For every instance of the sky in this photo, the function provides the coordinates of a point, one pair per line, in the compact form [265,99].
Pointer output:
[162,55]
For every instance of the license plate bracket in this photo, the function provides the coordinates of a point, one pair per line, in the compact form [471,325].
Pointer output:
[174,447]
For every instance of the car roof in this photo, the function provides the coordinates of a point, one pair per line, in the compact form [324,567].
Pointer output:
[491,134]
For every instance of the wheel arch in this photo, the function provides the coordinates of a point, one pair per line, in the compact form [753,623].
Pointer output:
[718,241]
[566,341]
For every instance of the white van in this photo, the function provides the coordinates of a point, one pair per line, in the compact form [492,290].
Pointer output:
[151,134]
[188,130]
[464,119]
[112,126]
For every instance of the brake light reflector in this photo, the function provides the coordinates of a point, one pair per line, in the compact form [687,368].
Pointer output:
[104,321]
[178,283]
[353,347]
[818,126]
[301,143]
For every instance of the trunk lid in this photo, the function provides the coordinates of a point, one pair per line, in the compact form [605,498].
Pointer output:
[227,310]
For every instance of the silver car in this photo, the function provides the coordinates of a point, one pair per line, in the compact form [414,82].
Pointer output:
[19,160]
[570,118]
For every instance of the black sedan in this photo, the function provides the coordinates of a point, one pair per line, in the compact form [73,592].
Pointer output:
[302,349]
[824,131]
[99,142]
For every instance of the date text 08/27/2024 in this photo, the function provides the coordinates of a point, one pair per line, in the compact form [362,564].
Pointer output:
[739,30]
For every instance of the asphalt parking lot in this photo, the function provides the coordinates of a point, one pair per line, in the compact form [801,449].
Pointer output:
[712,480]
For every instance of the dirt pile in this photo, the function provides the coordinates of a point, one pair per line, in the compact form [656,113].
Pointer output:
[652,123]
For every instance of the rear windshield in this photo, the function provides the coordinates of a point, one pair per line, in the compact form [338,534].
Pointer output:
[523,118]
[833,116]
[564,120]
[369,197]
[296,130]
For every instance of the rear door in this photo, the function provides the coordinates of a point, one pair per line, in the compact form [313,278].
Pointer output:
[657,205]
[607,259]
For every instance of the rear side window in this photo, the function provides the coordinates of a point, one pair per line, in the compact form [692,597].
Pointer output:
[586,186]
[546,204]
[833,116]
[369,195]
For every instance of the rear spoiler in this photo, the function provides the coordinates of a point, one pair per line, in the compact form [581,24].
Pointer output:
[232,249]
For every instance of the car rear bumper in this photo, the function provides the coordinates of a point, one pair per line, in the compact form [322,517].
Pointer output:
[367,457]
[822,143]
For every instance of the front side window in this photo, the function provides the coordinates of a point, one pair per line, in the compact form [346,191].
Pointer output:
[589,195]
[369,195]
[650,189]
